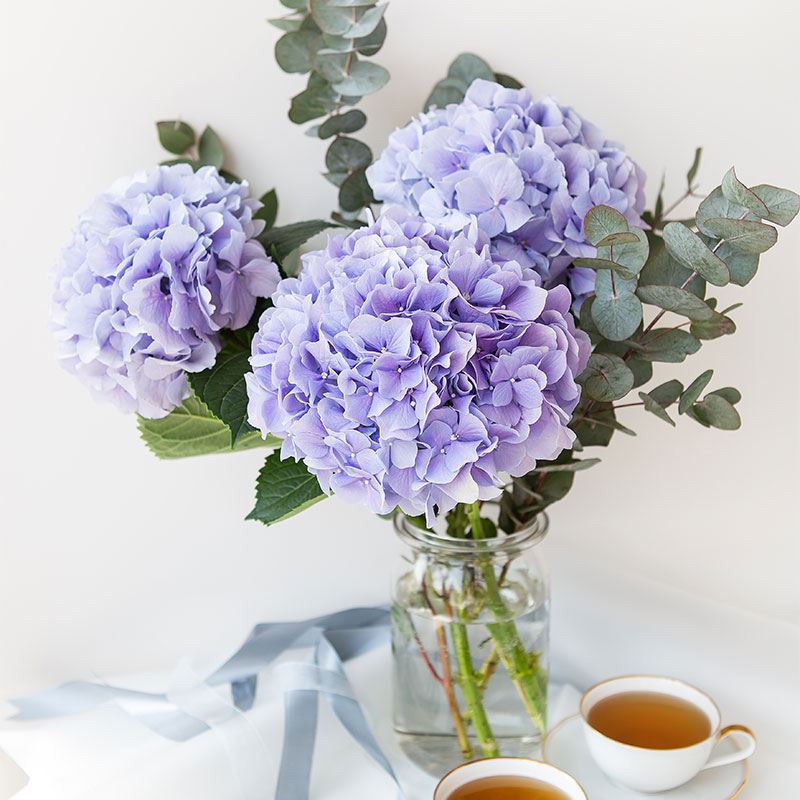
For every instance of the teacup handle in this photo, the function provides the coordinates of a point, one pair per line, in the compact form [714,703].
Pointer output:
[744,751]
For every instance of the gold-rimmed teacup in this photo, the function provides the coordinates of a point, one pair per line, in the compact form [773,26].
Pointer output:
[655,770]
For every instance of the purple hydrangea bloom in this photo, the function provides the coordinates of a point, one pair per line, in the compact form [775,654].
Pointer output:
[157,266]
[527,171]
[410,369]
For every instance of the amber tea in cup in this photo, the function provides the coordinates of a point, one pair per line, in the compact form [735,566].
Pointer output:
[650,719]
[507,787]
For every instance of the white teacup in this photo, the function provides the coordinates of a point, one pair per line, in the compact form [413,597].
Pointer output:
[650,770]
[516,767]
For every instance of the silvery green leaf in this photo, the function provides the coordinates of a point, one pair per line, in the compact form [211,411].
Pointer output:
[669,345]
[297,5]
[677,300]
[742,266]
[596,263]
[692,173]
[467,67]
[716,411]
[597,430]
[667,393]
[175,136]
[738,193]
[402,622]
[350,122]
[366,22]
[355,193]
[602,221]
[346,154]
[606,377]
[694,390]
[586,322]
[655,408]
[691,251]
[289,24]
[507,81]
[642,370]
[782,204]
[717,205]
[331,19]
[331,66]
[364,78]
[209,149]
[631,255]
[661,268]
[616,310]
[746,236]
[293,51]
[369,45]
[312,103]
[733,396]
[718,325]
[336,178]
[690,412]
[624,237]
[445,92]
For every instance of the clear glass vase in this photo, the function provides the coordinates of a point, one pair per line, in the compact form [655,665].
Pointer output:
[470,625]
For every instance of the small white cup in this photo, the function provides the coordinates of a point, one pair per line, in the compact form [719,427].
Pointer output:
[516,767]
[650,770]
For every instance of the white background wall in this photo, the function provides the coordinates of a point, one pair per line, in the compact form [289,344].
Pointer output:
[112,561]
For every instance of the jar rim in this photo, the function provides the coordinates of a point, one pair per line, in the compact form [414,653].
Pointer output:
[526,537]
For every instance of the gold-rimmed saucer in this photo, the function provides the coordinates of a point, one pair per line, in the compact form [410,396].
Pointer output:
[564,747]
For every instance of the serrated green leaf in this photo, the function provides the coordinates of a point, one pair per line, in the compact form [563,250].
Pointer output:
[738,193]
[677,300]
[729,393]
[783,204]
[716,411]
[662,269]
[287,238]
[222,388]
[655,408]
[692,173]
[667,393]
[616,310]
[269,208]
[606,377]
[192,430]
[691,251]
[602,221]
[283,489]
[694,390]
[355,191]
[746,236]
[365,77]
[718,325]
[293,51]
[350,122]
[209,149]
[468,67]
[668,345]
[346,154]
[175,136]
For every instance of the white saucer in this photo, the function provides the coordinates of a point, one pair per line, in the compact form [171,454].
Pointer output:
[564,747]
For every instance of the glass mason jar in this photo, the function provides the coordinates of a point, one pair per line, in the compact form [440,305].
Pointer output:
[470,625]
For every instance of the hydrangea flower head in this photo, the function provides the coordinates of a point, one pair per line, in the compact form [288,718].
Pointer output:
[527,170]
[410,369]
[157,266]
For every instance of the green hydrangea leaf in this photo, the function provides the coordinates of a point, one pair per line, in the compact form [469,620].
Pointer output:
[175,136]
[694,390]
[287,238]
[269,208]
[606,377]
[693,253]
[569,466]
[283,489]
[445,92]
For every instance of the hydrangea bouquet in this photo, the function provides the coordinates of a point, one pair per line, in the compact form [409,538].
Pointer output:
[446,358]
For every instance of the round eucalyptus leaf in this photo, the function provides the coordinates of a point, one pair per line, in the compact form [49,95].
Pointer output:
[691,251]
[355,192]
[602,221]
[507,81]
[677,300]
[346,154]
[369,45]
[642,370]
[742,266]
[467,67]
[293,51]
[738,193]
[445,92]
[718,412]
[782,204]
[718,325]
[350,122]
[662,269]
[290,23]
[630,255]
[694,390]
[364,78]
[606,377]
[746,236]
[624,237]
[670,345]
[367,21]
[655,407]
[616,310]
[667,393]
[717,205]
[331,19]
[312,103]
[733,396]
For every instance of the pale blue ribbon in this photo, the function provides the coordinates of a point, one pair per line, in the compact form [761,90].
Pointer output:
[335,638]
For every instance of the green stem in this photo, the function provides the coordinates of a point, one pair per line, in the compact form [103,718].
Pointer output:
[521,666]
